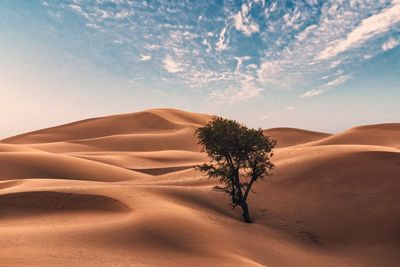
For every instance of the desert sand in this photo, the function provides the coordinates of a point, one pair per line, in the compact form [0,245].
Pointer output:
[121,191]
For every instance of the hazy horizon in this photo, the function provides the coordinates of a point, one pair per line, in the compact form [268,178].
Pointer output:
[317,65]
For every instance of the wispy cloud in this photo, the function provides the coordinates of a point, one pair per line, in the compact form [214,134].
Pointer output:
[327,86]
[144,58]
[277,112]
[243,21]
[390,44]
[240,62]
[368,28]
[242,49]
[248,89]
[77,8]
[222,43]
[171,65]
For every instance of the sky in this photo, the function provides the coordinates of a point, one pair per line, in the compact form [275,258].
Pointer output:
[319,65]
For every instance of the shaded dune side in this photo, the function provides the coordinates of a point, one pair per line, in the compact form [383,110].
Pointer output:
[133,123]
[58,201]
[335,196]
[144,160]
[165,231]
[179,140]
[387,134]
[182,139]
[292,136]
[162,170]
[45,165]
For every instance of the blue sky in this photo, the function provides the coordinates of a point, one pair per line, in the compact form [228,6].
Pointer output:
[320,65]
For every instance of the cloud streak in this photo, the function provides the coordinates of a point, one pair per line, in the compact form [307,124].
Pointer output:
[171,65]
[368,28]
[390,44]
[327,86]
[144,58]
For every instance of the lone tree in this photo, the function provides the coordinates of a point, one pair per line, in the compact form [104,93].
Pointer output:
[239,156]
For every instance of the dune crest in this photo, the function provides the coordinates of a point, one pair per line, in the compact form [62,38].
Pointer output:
[158,120]
[292,136]
[377,134]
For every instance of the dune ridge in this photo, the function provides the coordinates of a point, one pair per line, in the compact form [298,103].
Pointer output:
[157,120]
[292,136]
[121,190]
[377,134]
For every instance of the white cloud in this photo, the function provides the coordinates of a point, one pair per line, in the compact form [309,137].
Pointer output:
[209,54]
[170,65]
[222,43]
[367,56]
[305,33]
[368,28]
[245,89]
[152,47]
[240,62]
[325,87]
[271,9]
[76,7]
[292,20]
[244,23]
[390,44]
[311,93]
[122,14]
[144,58]
[277,112]
[206,43]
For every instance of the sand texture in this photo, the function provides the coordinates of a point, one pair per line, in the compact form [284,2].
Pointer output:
[121,191]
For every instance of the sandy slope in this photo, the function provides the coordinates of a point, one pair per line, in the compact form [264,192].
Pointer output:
[291,136]
[120,191]
[378,134]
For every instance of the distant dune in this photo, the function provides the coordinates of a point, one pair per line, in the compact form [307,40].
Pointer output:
[292,136]
[121,190]
[377,134]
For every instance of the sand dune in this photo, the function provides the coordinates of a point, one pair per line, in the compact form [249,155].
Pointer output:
[57,201]
[153,130]
[44,165]
[158,120]
[15,148]
[120,190]
[344,192]
[291,136]
[141,160]
[378,134]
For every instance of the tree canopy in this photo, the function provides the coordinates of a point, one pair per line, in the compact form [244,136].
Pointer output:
[239,156]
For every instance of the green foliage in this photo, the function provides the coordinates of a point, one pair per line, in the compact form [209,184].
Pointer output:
[239,156]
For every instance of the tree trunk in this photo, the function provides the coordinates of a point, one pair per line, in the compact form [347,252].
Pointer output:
[246,214]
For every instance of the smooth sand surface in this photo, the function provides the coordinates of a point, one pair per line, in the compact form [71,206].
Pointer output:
[292,136]
[121,191]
